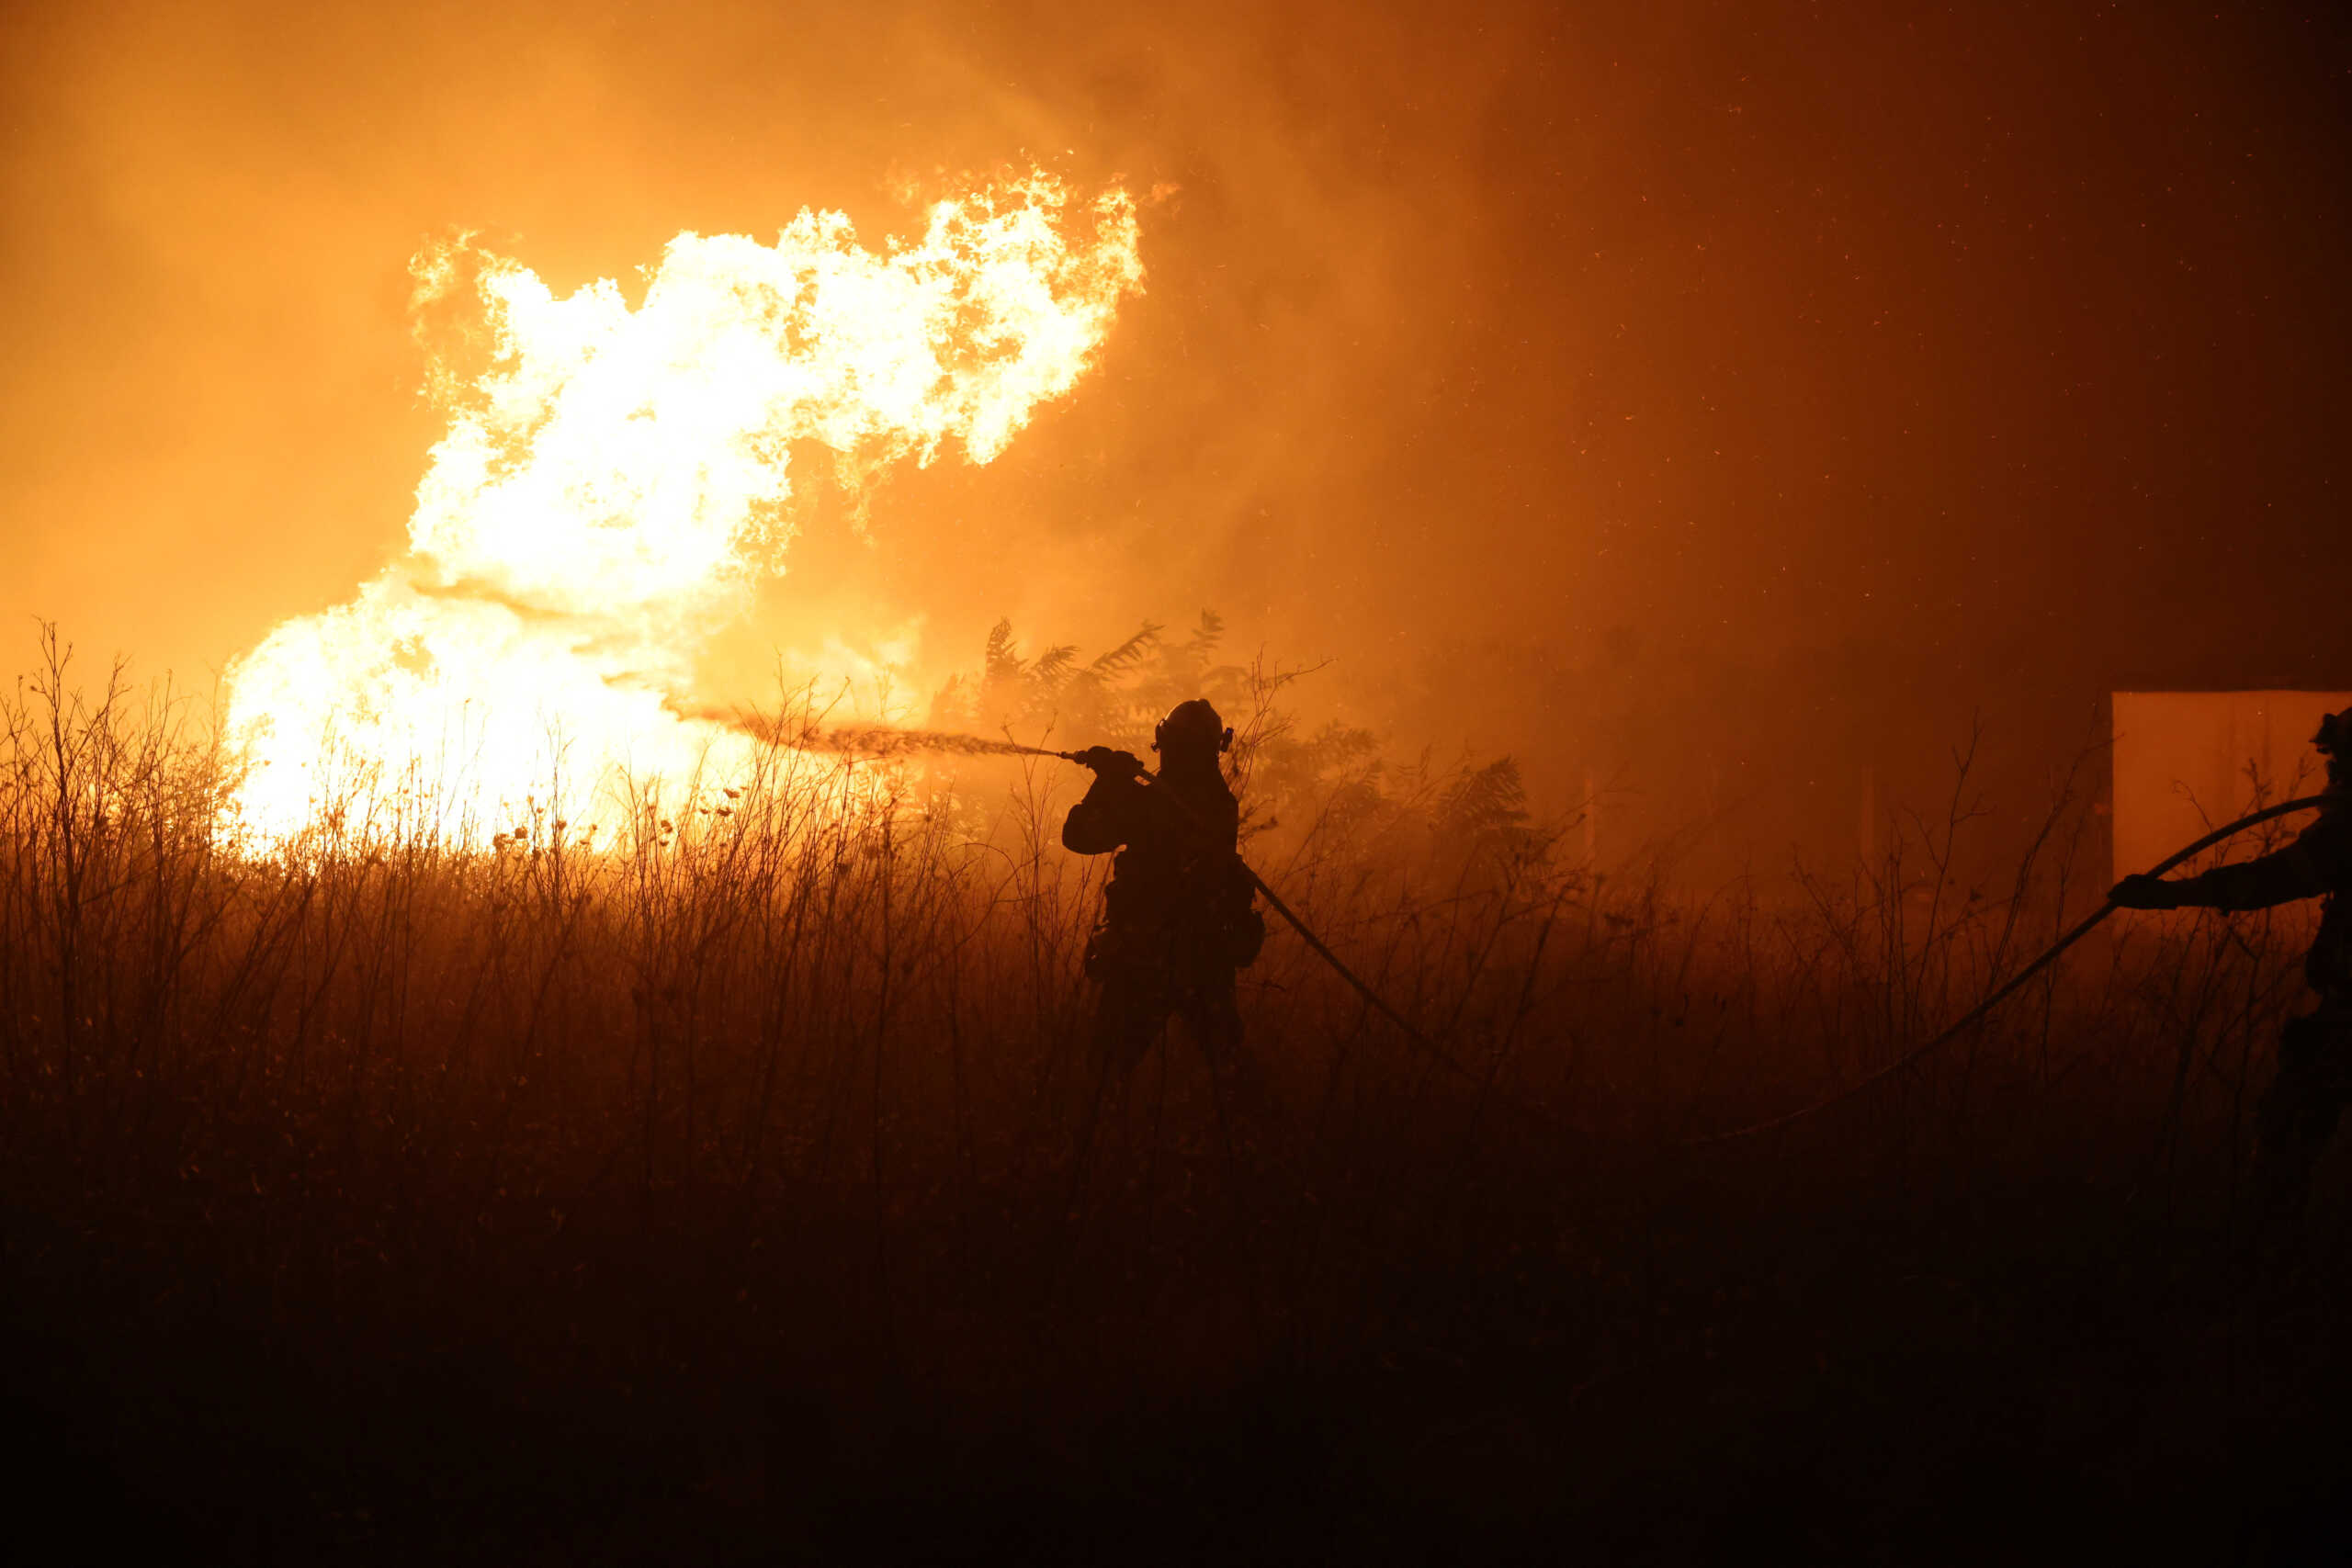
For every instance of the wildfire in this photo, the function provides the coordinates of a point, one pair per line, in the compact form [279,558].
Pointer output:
[611,487]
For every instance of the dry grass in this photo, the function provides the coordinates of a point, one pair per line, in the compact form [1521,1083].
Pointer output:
[718,1193]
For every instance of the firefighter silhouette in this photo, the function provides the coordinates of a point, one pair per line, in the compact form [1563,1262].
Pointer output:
[2313,1083]
[1178,913]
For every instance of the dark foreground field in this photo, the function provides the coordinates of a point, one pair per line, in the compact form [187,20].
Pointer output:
[718,1196]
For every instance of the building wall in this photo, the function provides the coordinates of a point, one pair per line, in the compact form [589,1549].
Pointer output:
[2188,762]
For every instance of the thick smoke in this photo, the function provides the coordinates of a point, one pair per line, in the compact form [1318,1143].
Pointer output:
[1719,402]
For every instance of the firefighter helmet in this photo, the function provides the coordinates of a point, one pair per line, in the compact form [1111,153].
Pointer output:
[1190,725]
[2335,737]
[2334,743]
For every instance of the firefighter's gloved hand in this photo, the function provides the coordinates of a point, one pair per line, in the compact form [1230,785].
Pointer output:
[1110,764]
[2143,892]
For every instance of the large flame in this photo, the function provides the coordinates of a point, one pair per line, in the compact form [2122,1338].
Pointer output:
[611,486]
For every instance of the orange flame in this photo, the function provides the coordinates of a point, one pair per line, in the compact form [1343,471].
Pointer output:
[608,490]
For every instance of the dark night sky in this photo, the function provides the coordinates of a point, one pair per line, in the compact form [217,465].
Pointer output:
[1974,352]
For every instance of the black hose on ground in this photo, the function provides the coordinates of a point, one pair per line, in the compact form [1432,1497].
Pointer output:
[1976,1013]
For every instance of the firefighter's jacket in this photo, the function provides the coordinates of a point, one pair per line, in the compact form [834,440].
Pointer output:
[2317,865]
[1178,888]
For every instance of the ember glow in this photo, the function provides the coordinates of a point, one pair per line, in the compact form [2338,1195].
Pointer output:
[613,484]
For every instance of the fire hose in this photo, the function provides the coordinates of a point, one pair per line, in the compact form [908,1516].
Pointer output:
[2011,985]
[884,740]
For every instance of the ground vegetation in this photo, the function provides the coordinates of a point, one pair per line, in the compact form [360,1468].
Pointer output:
[709,1188]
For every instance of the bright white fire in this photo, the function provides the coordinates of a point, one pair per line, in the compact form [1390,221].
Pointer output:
[611,486]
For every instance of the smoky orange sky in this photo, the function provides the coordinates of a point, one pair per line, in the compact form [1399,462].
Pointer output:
[1746,361]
